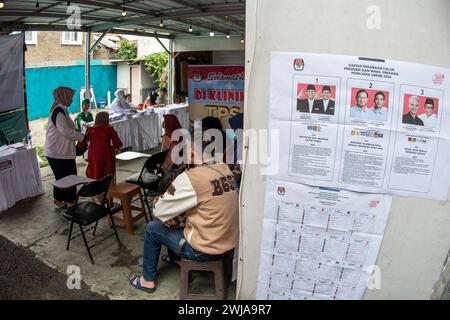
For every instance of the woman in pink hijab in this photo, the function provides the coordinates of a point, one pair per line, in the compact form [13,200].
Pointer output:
[170,124]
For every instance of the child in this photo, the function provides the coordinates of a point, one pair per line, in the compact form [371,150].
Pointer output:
[103,141]
[84,117]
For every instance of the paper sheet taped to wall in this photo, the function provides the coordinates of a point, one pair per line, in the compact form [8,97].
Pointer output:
[319,243]
[361,124]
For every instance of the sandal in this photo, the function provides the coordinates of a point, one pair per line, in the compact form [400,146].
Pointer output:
[169,260]
[60,204]
[138,285]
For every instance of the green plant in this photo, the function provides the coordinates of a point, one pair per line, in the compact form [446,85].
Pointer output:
[157,65]
[127,50]
[40,152]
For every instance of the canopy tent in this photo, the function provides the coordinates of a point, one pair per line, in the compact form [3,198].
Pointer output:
[162,19]
[167,19]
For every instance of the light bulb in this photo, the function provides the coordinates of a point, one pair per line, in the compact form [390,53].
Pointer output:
[211,33]
[228,36]
[190,28]
[2,4]
[124,12]
[161,24]
[242,40]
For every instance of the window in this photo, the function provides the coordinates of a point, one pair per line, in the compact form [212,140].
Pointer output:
[72,38]
[31,37]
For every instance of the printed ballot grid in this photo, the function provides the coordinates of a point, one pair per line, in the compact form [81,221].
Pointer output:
[313,252]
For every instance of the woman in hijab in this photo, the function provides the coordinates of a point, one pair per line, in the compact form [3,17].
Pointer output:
[103,141]
[120,104]
[60,141]
[170,124]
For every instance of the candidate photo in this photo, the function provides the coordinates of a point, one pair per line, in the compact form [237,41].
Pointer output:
[369,104]
[319,99]
[420,111]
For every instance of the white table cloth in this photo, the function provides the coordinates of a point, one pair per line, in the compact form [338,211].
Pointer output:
[141,132]
[20,176]
[180,110]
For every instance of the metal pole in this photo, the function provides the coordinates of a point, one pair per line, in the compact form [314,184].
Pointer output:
[170,80]
[87,66]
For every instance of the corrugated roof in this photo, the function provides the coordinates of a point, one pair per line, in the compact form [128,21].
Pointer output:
[142,17]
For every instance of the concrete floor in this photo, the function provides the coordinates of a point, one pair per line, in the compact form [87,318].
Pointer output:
[38,225]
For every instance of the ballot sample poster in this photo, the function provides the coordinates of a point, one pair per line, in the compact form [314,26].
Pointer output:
[362,124]
[215,91]
[319,243]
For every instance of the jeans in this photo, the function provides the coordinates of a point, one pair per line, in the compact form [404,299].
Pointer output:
[157,234]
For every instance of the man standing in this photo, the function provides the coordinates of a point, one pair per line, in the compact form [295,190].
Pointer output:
[326,104]
[309,105]
[378,112]
[429,118]
[360,110]
[411,117]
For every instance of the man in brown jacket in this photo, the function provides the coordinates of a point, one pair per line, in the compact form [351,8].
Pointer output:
[207,195]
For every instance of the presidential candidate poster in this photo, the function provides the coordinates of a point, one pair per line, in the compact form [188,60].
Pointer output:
[216,91]
[362,124]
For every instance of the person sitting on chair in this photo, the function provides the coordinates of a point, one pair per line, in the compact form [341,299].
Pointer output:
[161,101]
[208,197]
[170,124]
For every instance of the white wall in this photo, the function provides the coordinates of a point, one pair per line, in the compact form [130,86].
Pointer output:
[123,76]
[201,43]
[228,58]
[417,237]
[148,45]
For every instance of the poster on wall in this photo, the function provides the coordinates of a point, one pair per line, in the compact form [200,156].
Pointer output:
[320,243]
[215,91]
[362,124]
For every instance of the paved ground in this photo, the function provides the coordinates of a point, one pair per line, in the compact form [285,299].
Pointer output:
[23,276]
[37,225]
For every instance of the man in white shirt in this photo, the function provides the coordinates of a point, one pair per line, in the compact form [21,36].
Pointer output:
[360,110]
[378,112]
[429,118]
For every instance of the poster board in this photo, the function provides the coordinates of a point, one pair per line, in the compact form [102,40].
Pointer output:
[395,148]
[215,91]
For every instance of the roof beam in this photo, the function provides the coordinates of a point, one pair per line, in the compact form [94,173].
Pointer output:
[233,21]
[170,29]
[189,4]
[115,6]
[28,14]
[211,10]
[6,28]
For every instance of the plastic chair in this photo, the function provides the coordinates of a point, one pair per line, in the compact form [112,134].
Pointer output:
[87,212]
[149,177]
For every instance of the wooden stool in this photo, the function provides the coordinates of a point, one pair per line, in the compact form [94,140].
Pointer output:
[216,267]
[125,192]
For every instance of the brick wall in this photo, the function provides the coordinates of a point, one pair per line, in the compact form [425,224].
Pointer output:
[49,50]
